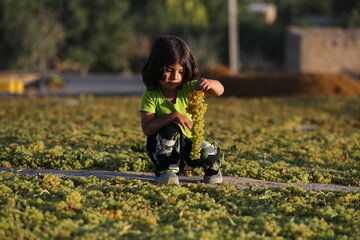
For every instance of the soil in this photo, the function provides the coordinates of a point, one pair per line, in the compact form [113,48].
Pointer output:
[239,182]
[271,84]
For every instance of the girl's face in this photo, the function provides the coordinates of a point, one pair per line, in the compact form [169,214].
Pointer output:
[173,77]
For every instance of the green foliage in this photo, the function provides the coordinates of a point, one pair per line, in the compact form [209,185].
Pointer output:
[211,45]
[48,207]
[99,33]
[32,34]
[202,24]
[103,35]
[96,34]
[162,17]
[186,12]
[354,18]
[258,137]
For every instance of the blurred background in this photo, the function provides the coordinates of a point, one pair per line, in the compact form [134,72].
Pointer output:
[99,47]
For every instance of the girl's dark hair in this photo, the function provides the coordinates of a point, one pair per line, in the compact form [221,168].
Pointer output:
[168,50]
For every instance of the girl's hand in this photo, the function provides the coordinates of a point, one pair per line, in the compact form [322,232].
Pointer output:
[204,85]
[185,122]
[210,87]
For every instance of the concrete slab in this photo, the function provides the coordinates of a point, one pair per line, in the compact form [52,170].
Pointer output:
[239,182]
[102,84]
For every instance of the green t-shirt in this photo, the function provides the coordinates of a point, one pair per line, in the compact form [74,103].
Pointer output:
[153,101]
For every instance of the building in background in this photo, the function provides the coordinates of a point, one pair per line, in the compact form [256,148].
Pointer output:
[323,50]
[268,10]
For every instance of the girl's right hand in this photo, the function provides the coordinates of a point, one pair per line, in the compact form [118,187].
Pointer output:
[185,122]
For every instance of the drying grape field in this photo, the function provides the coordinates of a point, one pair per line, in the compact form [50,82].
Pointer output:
[309,140]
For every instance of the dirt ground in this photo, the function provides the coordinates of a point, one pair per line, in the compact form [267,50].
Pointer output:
[239,182]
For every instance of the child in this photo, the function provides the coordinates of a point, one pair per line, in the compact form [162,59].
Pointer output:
[169,75]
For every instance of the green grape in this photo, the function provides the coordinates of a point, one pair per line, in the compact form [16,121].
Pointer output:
[197,108]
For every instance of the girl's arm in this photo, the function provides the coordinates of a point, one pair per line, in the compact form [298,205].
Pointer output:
[210,87]
[151,125]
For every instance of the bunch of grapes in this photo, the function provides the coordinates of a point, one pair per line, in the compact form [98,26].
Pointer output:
[197,109]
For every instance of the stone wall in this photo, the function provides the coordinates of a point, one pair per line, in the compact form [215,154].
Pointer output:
[323,50]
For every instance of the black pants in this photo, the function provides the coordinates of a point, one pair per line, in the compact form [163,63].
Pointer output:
[169,149]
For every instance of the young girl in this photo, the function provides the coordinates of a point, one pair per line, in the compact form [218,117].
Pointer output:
[169,75]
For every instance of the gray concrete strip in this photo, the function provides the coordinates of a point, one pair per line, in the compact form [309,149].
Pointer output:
[239,182]
[102,84]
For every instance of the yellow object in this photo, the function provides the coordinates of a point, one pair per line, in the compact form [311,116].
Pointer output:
[197,108]
[19,87]
[12,86]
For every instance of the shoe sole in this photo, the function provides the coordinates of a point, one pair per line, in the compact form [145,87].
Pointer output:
[214,179]
[218,181]
[167,179]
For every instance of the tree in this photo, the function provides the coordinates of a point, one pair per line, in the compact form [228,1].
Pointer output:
[32,34]
[187,19]
[353,19]
[43,34]
[99,33]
